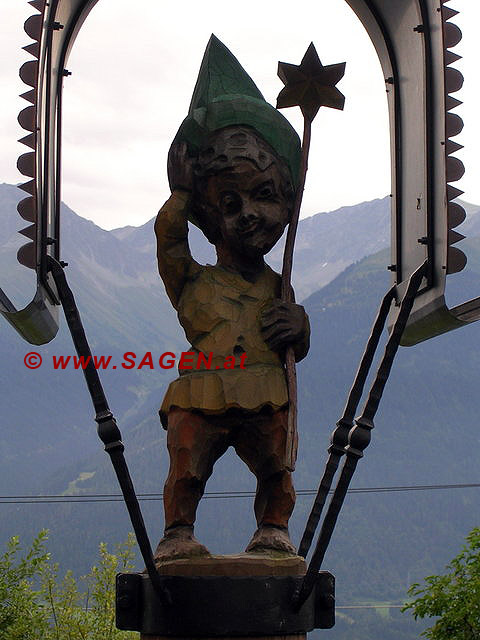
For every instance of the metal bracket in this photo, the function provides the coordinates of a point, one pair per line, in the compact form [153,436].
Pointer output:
[222,606]
[422,129]
[37,323]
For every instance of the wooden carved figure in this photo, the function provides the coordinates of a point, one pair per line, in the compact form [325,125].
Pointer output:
[233,168]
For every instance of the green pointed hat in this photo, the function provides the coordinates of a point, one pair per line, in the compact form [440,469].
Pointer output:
[225,95]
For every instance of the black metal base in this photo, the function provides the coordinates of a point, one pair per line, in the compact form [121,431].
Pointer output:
[222,606]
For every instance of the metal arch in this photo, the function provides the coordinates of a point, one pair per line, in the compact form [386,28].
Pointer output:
[404,32]
[53,31]
[413,39]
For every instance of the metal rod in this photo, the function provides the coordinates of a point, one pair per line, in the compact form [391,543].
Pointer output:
[359,437]
[108,430]
[319,502]
[339,438]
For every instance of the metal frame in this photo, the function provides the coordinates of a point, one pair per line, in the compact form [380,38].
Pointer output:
[413,39]
[53,31]
[403,32]
[222,606]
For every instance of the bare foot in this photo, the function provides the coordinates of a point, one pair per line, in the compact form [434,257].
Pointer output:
[271,538]
[179,542]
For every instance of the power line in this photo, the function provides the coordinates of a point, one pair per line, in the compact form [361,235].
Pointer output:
[370,606]
[116,497]
[349,606]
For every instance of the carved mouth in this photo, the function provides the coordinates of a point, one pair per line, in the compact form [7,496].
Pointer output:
[250,229]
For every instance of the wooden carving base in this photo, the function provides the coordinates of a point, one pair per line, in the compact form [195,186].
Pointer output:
[234,566]
[297,636]
[239,565]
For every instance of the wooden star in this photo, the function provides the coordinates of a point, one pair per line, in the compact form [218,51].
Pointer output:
[310,85]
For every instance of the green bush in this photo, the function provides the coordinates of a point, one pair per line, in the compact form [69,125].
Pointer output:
[36,603]
[454,597]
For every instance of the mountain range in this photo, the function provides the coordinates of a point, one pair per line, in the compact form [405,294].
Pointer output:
[425,429]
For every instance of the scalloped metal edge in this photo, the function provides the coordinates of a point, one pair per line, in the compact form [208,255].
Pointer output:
[27,118]
[454,167]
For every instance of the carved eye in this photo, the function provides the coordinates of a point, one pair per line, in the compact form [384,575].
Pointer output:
[266,192]
[230,203]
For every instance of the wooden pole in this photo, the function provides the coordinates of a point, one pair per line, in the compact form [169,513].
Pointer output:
[287,296]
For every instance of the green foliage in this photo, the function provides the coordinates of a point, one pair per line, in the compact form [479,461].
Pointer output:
[36,604]
[453,597]
[101,591]
[22,616]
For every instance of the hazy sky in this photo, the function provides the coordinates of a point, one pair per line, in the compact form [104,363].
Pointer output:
[133,76]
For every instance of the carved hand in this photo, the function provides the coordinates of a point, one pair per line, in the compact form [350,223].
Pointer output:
[179,167]
[286,323]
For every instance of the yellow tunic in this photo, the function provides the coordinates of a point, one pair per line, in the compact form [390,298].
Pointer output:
[220,313]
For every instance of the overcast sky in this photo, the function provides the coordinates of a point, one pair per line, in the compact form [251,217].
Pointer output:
[132,78]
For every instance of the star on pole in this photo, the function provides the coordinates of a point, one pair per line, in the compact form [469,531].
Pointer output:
[310,85]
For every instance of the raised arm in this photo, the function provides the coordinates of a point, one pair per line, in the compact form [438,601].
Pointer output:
[175,262]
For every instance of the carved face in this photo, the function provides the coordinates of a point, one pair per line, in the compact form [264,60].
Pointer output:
[250,208]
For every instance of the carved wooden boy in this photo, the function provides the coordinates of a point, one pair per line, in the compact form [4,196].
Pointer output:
[231,170]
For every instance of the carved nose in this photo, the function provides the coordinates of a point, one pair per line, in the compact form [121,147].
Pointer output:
[247,218]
